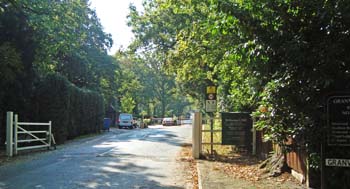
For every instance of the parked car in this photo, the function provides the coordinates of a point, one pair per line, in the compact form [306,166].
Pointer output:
[126,121]
[168,121]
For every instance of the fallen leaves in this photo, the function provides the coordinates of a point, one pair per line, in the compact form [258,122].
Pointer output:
[238,166]
[246,167]
[185,156]
[247,172]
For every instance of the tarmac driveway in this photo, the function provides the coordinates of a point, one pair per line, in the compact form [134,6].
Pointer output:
[139,158]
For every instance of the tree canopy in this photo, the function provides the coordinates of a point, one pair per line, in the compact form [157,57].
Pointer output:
[275,58]
[39,38]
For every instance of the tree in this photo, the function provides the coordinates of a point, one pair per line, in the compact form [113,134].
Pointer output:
[147,81]
[42,37]
[282,56]
[156,33]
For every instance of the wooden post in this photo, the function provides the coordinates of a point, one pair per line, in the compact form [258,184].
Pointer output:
[254,139]
[50,134]
[15,151]
[212,135]
[196,135]
[9,134]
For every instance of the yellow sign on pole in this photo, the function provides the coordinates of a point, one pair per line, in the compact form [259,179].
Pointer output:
[211,90]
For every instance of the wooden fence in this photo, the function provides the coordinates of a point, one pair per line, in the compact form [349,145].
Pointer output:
[296,159]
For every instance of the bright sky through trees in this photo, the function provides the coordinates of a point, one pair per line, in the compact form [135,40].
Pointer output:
[113,18]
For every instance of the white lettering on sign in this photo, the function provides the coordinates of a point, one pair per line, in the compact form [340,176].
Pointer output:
[341,101]
[338,162]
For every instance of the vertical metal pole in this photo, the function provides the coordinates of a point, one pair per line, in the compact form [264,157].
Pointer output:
[211,134]
[9,134]
[50,133]
[15,135]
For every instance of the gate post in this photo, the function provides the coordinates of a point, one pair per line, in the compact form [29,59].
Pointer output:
[196,135]
[50,133]
[254,138]
[15,129]
[9,134]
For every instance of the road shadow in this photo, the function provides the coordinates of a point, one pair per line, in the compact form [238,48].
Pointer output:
[164,136]
[84,164]
[112,172]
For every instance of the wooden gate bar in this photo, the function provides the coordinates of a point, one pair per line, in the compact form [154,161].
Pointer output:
[32,147]
[214,131]
[35,137]
[30,123]
[25,132]
[31,140]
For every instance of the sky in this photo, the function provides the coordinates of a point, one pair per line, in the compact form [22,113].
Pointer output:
[112,14]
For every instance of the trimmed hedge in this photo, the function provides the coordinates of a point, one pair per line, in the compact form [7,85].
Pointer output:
[72,110]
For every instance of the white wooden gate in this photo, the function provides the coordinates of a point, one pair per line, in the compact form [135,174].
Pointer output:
[197,135]
[19,132]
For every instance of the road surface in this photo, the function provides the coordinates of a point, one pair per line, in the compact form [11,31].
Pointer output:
[139,158]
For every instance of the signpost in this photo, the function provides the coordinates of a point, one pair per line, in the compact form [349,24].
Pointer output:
[210,101]
[336,148]
[210,107]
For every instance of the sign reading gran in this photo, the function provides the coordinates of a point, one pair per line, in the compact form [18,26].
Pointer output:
[338,120]
[338,162]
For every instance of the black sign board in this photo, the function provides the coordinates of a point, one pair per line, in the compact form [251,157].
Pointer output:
[336,148]
[338,121]
[236,129]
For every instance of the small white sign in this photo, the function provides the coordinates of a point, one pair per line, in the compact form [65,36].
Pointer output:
[338,162]
[210,105]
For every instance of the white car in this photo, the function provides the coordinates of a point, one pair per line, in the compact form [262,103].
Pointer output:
[126,121]
[168,121]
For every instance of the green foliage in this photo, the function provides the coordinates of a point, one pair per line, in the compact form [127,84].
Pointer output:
[155,33]
[128,104]
[10,62]
[73,111]
[145,81]
[63,30]
[52,100]
[282,56]
[42,37]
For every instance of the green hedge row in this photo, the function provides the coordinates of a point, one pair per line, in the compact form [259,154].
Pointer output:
[72,110]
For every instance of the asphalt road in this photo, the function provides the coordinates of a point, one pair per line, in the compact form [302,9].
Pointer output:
[139,158]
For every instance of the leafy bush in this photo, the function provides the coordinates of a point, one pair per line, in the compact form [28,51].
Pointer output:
[73,111]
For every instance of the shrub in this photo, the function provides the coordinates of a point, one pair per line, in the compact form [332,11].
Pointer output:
[72,110]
